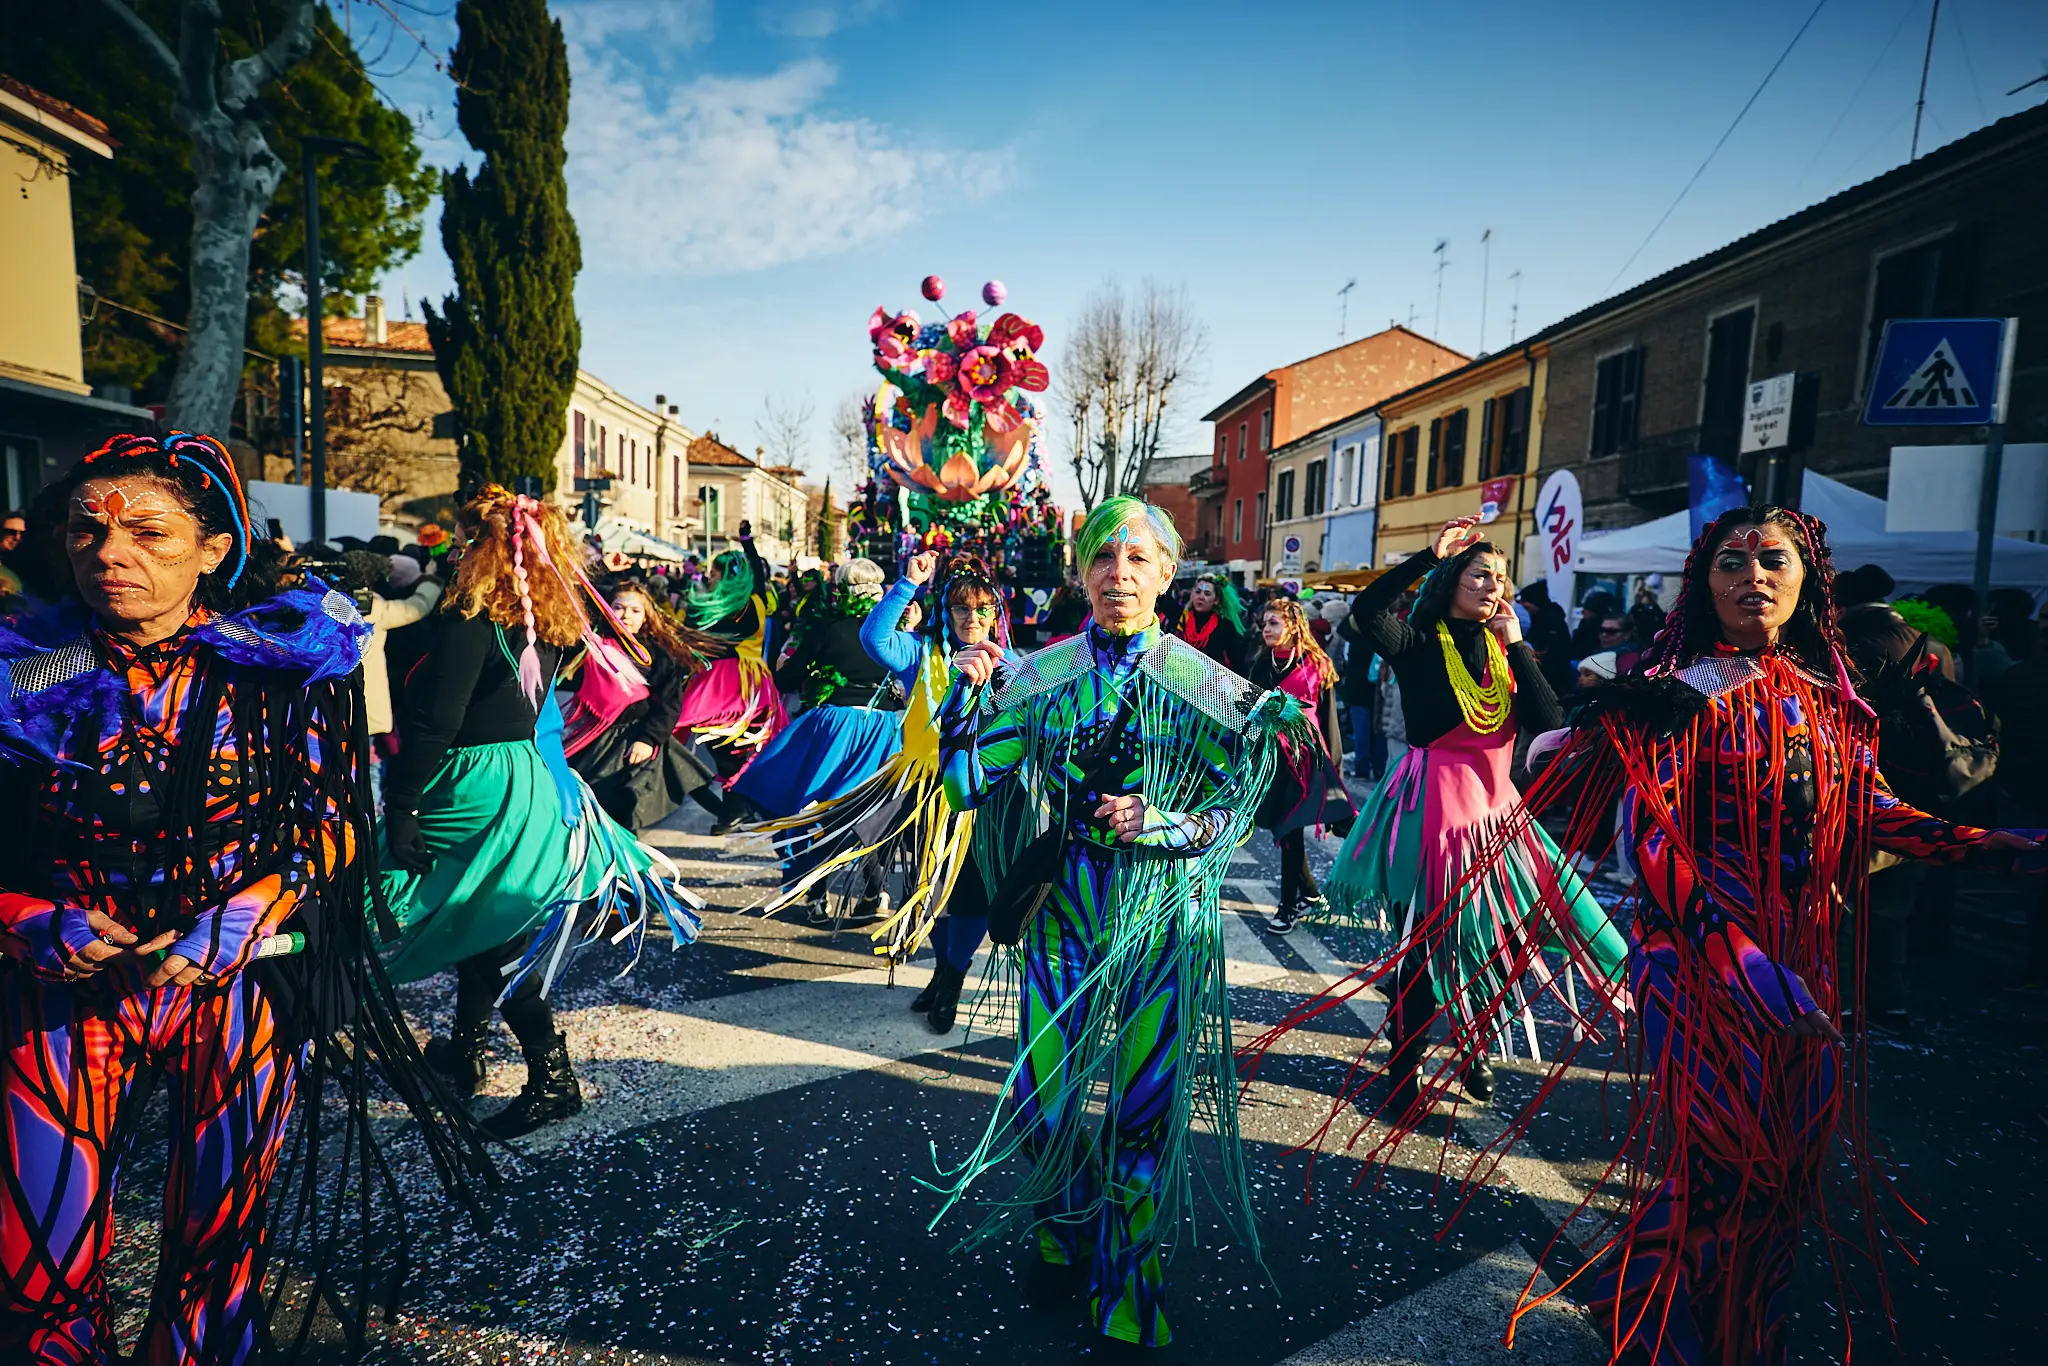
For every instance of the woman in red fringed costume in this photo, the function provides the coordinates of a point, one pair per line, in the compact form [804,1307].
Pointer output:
[1750,802]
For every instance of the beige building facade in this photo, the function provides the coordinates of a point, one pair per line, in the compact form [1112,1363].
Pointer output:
[48,414]
[727,488]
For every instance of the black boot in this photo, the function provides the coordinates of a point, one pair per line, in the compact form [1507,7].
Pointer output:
[1479,1078]
[738,810]
[551,1093]
[1404,1095]
[460,1057]
[922,1002]
[945,989]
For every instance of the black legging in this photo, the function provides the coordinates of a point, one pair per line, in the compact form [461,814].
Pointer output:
[1297,884]
[478,981]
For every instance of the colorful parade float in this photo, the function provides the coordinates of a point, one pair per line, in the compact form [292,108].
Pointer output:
[953,449]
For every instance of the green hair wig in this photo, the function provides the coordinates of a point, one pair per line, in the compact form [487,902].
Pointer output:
[1926,617]
[1112,513]
[1229,602]
[735,585]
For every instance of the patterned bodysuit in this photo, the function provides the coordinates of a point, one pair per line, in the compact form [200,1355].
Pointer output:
[1120,970]
[77,1056]
[1747,830]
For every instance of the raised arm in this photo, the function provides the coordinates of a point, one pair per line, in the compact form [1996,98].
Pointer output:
[1373,618]
[900,652]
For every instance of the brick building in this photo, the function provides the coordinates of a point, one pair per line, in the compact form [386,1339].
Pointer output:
[1281,405]
[1169,490]
[1640,381]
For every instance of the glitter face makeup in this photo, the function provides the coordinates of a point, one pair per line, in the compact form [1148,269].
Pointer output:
[1755,579]
[1127,577]
[136,554]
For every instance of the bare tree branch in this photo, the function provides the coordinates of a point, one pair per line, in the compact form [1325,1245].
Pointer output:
[1125,362]
[198,47]
[248,76]
[784,430]
[154,48]
[850,436]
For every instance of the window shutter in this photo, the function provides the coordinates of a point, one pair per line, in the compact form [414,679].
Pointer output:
[1603,407]
[1486,462]
[1436,453]
[1629,400]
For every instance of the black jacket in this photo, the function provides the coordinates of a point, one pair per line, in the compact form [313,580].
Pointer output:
[1428,705]
[464,692]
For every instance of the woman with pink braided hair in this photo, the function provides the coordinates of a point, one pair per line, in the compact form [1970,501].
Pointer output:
[496,848]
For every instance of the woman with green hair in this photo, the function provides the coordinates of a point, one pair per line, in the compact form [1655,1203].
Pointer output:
[733,707]
[1213,620]
[1115,773]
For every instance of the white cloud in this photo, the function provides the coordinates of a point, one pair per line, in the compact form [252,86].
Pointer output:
[735,173]
[815,18]
[679,23]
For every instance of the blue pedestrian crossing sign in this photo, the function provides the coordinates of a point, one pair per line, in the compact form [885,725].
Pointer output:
[1941,372]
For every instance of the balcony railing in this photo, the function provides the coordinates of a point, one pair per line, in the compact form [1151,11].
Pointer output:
[1210,480]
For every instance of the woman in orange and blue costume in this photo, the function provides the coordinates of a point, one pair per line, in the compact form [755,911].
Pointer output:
[184,901]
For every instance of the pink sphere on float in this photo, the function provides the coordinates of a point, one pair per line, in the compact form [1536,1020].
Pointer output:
[993,293]
[934,288]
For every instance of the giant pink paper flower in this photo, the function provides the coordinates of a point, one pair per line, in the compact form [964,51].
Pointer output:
[985,374]
[1018,338]
[964,331]
[894,340]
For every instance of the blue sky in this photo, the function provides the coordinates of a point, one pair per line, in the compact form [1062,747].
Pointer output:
[751,179]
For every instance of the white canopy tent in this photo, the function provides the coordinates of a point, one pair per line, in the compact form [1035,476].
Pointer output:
[1856,533]
[641,545]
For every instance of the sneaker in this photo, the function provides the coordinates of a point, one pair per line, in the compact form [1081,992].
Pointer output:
[1284,918]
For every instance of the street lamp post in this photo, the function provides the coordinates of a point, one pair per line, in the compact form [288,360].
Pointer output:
[312,149]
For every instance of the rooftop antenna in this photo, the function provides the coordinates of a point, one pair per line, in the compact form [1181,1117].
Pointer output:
[1485,277]
[1926,60]
[1412,311]
[1442,245]
[1514,304]
[1344,307]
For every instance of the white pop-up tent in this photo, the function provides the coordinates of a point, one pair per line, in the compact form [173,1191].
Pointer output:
[1855,522]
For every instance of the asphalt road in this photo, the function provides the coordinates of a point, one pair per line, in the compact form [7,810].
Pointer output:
[744,1184]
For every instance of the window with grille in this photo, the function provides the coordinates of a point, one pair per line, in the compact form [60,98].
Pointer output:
[1927,280]
[1617,401]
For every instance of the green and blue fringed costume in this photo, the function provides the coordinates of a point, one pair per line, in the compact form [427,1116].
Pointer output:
[1121,999]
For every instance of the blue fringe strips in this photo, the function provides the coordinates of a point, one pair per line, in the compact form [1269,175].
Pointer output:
[636,883]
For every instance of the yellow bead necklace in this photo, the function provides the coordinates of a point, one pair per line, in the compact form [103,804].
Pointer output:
[1486,707]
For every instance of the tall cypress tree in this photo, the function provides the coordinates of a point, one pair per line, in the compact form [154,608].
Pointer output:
[506,341]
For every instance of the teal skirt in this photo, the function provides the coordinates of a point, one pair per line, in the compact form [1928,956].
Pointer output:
[492,817]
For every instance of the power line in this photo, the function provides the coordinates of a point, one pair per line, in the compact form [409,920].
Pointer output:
[1754,96]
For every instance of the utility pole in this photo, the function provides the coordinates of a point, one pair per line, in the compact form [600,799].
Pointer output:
[1485,277]
[1926,60]
[313,149]
[1436,329]
[661,466]
[1514,304]
[1344,307]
